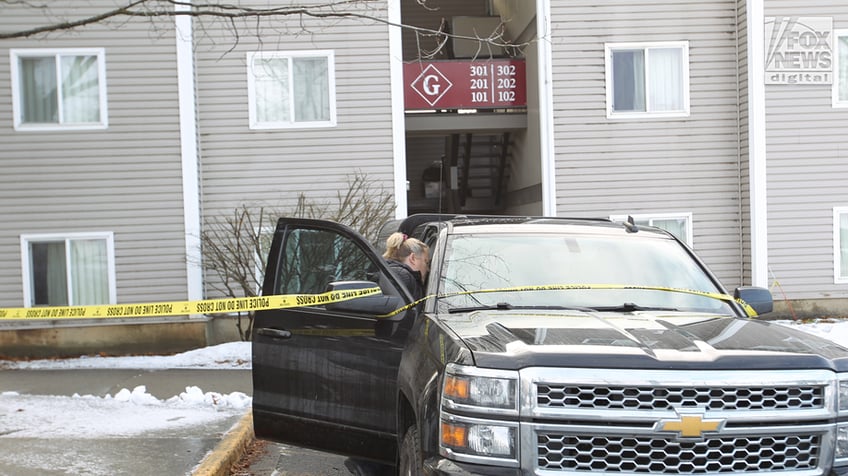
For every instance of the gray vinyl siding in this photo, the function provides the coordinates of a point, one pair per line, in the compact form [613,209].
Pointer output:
[644,166]
[125,179]
[806,147]
[273,167]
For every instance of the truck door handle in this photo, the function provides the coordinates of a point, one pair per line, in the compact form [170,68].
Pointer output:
[274,333]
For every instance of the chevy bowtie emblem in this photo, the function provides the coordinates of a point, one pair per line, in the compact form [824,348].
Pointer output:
[689,426]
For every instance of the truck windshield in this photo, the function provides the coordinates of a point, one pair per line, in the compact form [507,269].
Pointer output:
[494,261]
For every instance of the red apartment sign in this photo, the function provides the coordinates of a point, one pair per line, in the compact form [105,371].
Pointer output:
[462,84]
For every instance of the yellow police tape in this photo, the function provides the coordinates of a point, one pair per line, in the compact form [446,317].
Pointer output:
[229,305]
[179,308]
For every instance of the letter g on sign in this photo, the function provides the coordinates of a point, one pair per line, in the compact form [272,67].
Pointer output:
[431,85]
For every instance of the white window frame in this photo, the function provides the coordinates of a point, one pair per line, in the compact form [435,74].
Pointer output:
[14,57]
[650,217]
[837,249]
[837,103]
[608,49]
[329,55]
[26,239]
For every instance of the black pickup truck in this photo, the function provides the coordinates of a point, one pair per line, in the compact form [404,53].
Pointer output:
[546,346]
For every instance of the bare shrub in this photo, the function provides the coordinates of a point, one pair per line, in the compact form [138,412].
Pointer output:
[235,246]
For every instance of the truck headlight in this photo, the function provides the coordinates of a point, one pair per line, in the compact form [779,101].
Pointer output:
[479,415]
[479,438]
[842,443]
[480,391]
[487,389]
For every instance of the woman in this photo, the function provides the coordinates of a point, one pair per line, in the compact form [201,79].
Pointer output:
[409,259]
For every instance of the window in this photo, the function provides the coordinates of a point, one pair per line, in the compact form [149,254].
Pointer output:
[840,245]
[292,89]
[314,258]
[58,89]
[678,224]
[840,69]
[647,80]
[68,270]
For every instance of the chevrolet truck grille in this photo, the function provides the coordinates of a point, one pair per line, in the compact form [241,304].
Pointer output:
[623,454]
[661,398]
[576,421]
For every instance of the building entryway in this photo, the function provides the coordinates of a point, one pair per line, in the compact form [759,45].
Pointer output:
[472,140]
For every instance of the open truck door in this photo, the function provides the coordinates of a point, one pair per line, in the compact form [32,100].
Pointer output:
[325,375]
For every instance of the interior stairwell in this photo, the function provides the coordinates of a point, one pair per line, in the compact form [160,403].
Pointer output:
[479,167]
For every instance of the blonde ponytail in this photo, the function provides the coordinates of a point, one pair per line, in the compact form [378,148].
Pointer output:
[399,246]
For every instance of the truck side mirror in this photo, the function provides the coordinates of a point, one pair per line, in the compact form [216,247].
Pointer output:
[759,299]
[375,304]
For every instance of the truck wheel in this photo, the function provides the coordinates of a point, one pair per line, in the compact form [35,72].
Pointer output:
[410,454]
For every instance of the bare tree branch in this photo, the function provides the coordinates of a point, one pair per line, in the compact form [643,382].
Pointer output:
[68,25]
[336,9]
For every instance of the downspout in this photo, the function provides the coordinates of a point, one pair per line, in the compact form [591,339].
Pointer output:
[546,114]
[757,143]
[398,117]
[189,152]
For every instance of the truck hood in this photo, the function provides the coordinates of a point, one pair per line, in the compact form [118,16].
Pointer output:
[642,339]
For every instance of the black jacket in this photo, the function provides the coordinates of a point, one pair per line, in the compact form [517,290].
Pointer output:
[409,277]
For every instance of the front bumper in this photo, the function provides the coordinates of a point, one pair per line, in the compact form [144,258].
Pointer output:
[445,467]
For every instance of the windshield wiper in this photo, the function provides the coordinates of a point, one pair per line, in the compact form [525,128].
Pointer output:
[630,307]
[505,306]
[501,306]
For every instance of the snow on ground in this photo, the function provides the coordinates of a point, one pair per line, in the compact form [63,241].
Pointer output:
[129,412]
[835,330]
[42,416]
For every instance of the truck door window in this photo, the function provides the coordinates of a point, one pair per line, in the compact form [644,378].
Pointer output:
[314,258]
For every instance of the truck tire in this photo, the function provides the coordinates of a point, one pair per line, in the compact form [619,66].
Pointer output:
[410,454]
